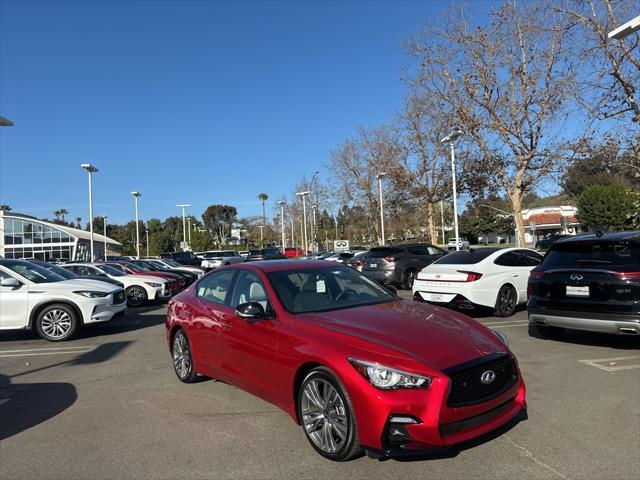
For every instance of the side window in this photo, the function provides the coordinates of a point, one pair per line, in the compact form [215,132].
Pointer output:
[509,259]
[214,288]
[530,259]
[249,288]
[72,269]
[3,275]
[434,251]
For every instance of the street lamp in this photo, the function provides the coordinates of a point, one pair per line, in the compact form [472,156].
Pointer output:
[315,228]
[506,213]
[281,203]
[90,170]
[104,225]
[626,29]
[189,221]
[184,225]
[450,139]
[135,199]
[442,222]
[261,227]
[379,178]
[304,218]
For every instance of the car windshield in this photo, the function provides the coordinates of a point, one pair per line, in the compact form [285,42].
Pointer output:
[109,270]
[34,273]
[466,257]
[173,263]
[306,290]
[63,272]
[615,255]
[137,268]
[154,265]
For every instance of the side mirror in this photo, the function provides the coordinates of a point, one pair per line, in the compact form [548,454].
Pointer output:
[250,311]
[10,282]
[392,289]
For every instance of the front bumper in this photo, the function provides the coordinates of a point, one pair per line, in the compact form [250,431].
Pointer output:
[440,426]
[593,322]
[104,313]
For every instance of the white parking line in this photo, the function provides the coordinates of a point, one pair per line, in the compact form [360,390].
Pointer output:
[612,368]
[45,351]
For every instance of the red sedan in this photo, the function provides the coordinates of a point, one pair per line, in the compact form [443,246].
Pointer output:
[356,366]
[176,281]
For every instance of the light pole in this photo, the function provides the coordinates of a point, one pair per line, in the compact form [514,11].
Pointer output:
[442,221]
[261,227]
[293,234]
[189,222]
[379,178]
[184,226]
[281,203]
[146,232]
[315,228]
[104,225]
[626,29]
[135,199]
[90,170]
[304,219]
[450,139]
[506,213]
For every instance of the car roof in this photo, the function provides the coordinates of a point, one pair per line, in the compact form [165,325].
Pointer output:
[10,261]
[277,265]
[627,235]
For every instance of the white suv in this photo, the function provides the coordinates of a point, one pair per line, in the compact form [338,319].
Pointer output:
[463,243]
[34,297]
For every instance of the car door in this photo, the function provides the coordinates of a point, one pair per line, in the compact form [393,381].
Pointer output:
[210,316]
[14,303]
[249,348]
[511,270]
[420,257]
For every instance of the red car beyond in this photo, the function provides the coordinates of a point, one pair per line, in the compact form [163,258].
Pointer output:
[176,281]
[344,357]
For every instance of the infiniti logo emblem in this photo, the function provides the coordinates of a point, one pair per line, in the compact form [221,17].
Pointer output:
[576,277]
[488,377]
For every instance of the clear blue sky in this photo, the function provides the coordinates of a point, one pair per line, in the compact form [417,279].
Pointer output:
[189,102]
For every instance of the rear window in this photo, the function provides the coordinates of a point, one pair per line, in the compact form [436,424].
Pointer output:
[465,257]
[255,252]
[383,252]
[597,253]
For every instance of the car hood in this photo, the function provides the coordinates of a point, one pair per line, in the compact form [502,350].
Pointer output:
[144,278]
[76,284]
[438,337]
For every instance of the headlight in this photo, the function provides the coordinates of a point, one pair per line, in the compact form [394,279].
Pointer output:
[154,285]
[91,294]
[503,338]
[386,378]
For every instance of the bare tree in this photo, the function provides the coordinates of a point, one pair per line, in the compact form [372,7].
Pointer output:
[507,84]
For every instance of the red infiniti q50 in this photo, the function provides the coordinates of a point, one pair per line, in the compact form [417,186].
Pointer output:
[348,360]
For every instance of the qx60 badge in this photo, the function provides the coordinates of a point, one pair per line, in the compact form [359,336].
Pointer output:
[488,377]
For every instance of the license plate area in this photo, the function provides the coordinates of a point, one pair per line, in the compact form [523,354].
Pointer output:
[373,265]
[580,292]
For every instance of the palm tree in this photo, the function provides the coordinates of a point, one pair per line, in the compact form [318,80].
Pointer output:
[263,198]
[63,212]
[5,208]
[79,219]
[57,214]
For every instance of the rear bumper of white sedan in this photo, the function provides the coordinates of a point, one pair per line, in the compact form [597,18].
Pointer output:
[461,294]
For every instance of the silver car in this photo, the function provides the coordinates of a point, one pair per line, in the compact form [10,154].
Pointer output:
[220,258]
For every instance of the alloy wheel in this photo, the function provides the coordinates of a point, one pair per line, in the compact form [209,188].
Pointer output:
[324,415]
[135,296]
[507,301]
[56,323]
[181,356]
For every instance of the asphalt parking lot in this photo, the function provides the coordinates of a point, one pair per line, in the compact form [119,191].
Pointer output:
[108,405]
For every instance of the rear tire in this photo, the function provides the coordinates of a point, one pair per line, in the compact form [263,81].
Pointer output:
[57,323]
[326,414]
[506,302]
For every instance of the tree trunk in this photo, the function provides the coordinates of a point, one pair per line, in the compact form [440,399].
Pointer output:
[516,204]
[433,234]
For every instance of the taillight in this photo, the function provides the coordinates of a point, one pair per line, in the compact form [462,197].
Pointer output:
[358,263]
[390,259]
[529,292]
[471,276]
[632,276]
[536,274]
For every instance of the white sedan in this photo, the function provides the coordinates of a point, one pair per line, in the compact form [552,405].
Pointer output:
[489,277]
[34,297]
[139,288]
[173,265]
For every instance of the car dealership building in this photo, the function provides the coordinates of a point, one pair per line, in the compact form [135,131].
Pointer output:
[22,236]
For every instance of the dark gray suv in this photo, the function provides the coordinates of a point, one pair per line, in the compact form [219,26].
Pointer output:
[399,264]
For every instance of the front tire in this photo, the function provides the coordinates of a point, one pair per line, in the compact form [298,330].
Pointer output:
[326,415]
[136,296]
[183,358]
[408,277]
[506,302]
[56,323]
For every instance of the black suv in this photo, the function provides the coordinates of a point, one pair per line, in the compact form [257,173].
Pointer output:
[183,258]
[590,282]
[265,254]
[399,264]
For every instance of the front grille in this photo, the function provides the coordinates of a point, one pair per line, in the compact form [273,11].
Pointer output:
[119,297]
[468,423]
[467,387]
